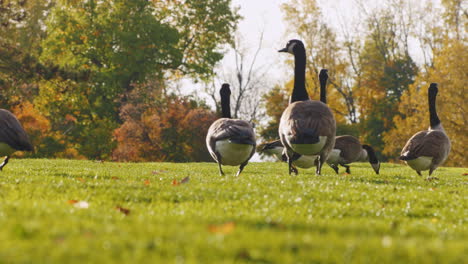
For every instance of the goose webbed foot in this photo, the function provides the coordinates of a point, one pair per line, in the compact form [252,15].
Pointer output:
[5,162]
[347,169]
[293,170]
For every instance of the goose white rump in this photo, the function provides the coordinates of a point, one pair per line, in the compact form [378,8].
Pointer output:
[233,153]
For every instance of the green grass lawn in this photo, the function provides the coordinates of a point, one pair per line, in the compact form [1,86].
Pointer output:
[63,211]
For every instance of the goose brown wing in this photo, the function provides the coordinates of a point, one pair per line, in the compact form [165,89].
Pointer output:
[432,143]
[350,147]
[236,130]
[12,133]
[307,119]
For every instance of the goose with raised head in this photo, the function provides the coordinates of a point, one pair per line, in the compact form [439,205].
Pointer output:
[428,149]
[347,150]
[230,141]
[13,137]
[307,127]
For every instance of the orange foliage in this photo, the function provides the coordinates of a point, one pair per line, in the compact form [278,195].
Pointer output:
[39,130]
[173,130]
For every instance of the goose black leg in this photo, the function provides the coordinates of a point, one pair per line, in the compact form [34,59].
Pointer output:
[347,169]
[319,164]
[5,161]
[431,170]
[335,168]
[292,169]
[218,160]
[419,173]
[241,168]
[221,173]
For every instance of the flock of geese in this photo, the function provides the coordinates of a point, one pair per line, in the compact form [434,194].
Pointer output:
[307,133]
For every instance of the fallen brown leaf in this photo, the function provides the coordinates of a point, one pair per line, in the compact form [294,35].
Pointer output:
[72,201]
[114,178]
[175,182]
[124,211]
[224,228]
[465,174]
[147,182]
[81,179]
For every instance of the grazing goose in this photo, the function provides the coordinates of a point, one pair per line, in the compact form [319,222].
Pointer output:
[428,149]
[230,141]
[307,127]
[347,150]
[12,136]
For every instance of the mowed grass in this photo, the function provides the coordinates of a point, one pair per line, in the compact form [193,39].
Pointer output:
[141,213]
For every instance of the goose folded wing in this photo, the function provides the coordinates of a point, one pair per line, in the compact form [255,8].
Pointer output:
[238,131]
[350,147]
[310,120]
[13,134]
[425,143]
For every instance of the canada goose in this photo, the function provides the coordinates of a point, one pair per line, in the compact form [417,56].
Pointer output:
[12,136]
[276,147]
[428,149]
[307,127]
[230,141]
[348,149]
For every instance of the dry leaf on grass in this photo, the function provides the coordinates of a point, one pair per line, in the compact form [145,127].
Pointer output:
[175,182]
[124,211]
[147,182]
[224,228]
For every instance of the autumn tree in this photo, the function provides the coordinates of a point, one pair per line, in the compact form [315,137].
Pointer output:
[162,127]
[120,44]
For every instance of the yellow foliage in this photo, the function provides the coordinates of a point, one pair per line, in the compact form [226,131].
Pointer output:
[450,72]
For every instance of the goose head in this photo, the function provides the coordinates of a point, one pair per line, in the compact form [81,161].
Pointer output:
[225,90]
[373,160]
[293,46]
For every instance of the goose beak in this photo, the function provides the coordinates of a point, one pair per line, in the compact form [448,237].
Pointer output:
[283,50]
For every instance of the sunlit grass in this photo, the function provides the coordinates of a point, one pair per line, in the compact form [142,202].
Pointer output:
[263,216]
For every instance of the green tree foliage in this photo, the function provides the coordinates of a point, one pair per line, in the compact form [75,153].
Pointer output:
[78,61]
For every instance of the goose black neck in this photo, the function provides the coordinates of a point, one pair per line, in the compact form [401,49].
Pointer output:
[433,117]
[226,105]
[299,91]
[371,154]
[323,77]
